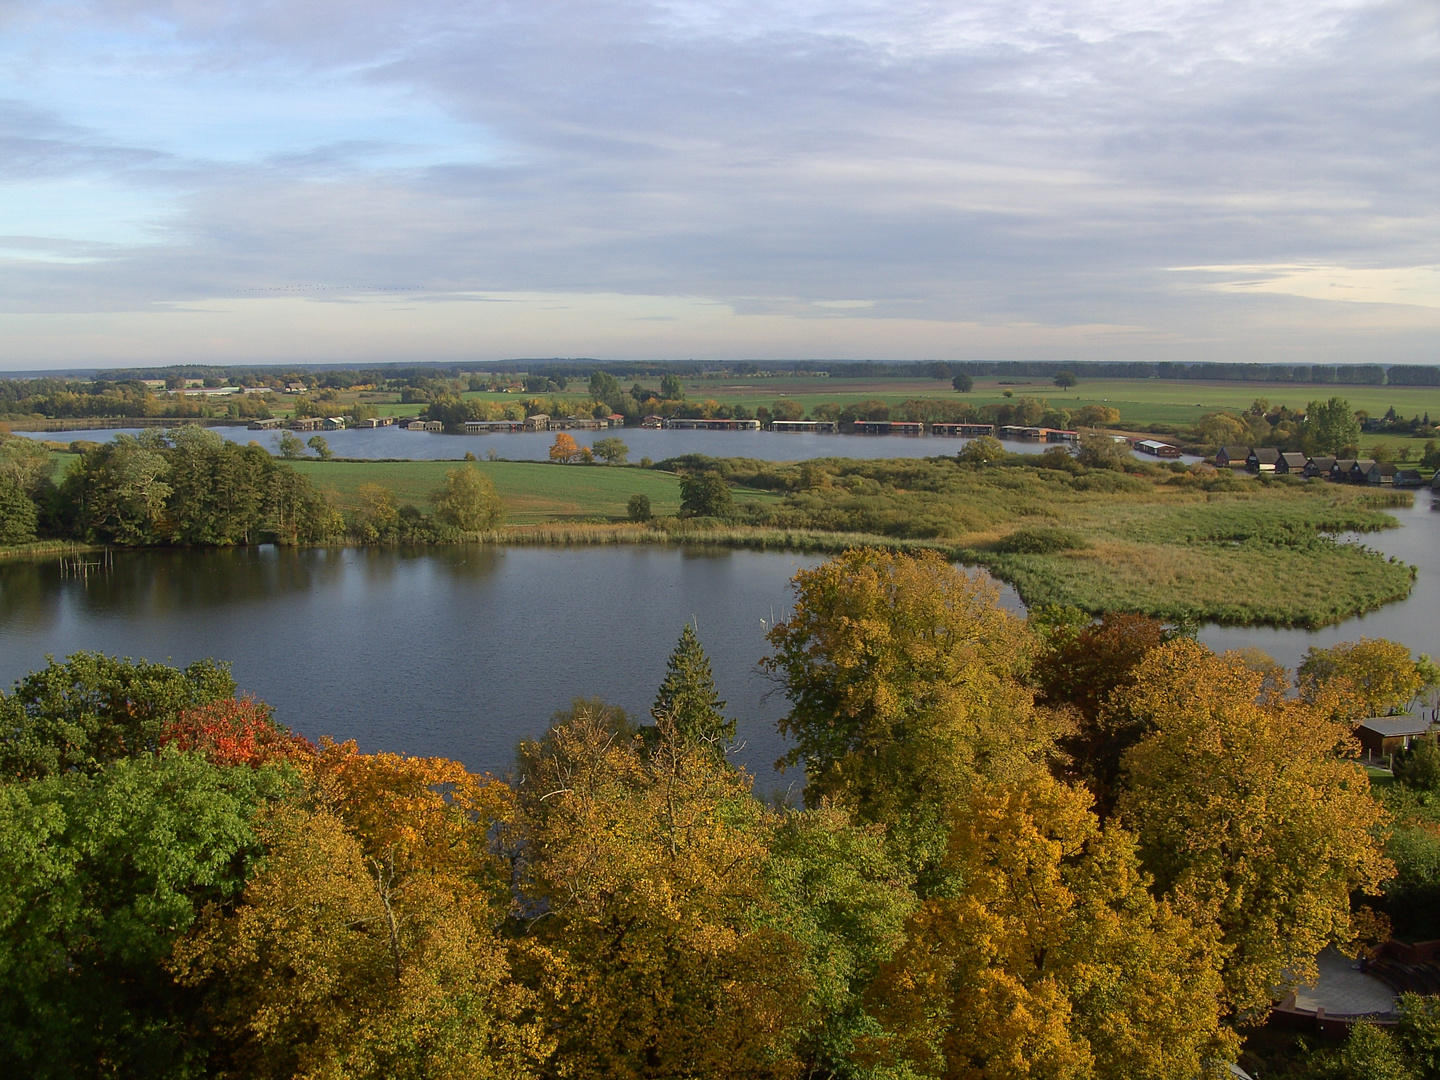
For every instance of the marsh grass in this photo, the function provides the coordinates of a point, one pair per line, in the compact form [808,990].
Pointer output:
[42,548]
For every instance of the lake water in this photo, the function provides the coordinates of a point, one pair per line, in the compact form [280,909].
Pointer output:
[461,652]
[392,442]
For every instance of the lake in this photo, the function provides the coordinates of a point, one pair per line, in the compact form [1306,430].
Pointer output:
[462,651]
[392,442]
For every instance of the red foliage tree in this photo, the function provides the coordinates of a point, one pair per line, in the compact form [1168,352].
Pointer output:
[236,731]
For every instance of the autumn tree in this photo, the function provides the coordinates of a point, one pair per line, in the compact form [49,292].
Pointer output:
[468,501]
[366,944]
[1249,814]
[376,516]
[564,450]
[1048,957]
[1080,670]
[1331,427]
[641,879]
[688,699]
[236,731]
[902,674]
[1369,677]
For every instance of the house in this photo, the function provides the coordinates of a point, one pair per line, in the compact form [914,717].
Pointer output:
[816,426]
[484,427]
[1319,466]
[307,423]
[616,419]
[1262,459]
[539,422]
[962,431]
[376,422]
[1381,736]
[1157,449]
[1359,470]
[335,423]
[1340,469]
[295,388]
[1382,472]
[265,425]
[653,421]
[425,425]
[1229,456]
[1291,464]
[694,424]
[1409,478]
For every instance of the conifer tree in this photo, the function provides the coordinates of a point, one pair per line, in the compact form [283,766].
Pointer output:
[688,697]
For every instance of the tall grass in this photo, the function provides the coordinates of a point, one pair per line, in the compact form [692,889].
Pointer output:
[42,548]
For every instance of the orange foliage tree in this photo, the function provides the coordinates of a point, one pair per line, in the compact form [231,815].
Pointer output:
[236,731]
[565,449]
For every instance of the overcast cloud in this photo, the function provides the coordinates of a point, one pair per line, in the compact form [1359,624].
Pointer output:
[420,179]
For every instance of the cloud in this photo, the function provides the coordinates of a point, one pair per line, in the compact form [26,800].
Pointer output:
[1034,168]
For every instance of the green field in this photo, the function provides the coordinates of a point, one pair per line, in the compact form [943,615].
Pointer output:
[533,491]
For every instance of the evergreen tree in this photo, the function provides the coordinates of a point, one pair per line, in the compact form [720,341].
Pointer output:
[687,696]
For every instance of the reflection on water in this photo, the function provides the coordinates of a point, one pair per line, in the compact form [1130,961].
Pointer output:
[461,651]
[457,651]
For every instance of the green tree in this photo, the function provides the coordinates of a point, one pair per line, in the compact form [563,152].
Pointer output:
[1103,452]
[1331,427]
[611,450]
[118,490]
[638,508]
[291,446]
[19,518]
[1065,379]
[321,447]
[671,388]
[787,410]
[986,450]
[605,387]
[468,501]
[688,699]
[91,710]
[102,874]
[705,494]
[1369,1053]
[963,383]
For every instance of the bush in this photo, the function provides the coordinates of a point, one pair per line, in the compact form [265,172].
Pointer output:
[1419,767]
[1040,541]
[639,508]
[705,495]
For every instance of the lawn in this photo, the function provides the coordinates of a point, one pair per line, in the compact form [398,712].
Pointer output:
[533,491]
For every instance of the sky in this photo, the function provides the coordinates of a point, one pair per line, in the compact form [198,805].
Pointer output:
[270,181]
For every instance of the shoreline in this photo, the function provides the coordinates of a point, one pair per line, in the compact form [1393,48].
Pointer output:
[799,541]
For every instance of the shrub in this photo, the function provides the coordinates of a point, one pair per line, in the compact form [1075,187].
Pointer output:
[1040,541]
[1419,767]
[639,508]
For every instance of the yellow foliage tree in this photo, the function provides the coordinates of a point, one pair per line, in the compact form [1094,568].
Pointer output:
[1249,815]
[1050,959]
[365,945]
[903,679]
[565,449]
[643,874]
[1369,677]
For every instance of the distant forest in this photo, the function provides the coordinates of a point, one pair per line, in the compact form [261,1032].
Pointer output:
[583,367]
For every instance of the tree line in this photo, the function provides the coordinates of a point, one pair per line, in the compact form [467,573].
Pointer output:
[1027,848]
[189,486]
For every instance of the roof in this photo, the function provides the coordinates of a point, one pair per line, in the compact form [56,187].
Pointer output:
[1267,455]
[1236,451]
[1322,462]
[1294,460]
[1392,727]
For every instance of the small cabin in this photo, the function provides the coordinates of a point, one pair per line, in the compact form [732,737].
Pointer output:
[539,422]
[1263,459]
[1229,456]
[1340,469]
[1381,736]
[335,423]
[1291,464]
[1359,470]
[1382,472]
[1319,467]
[653,421]
[1409,478]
